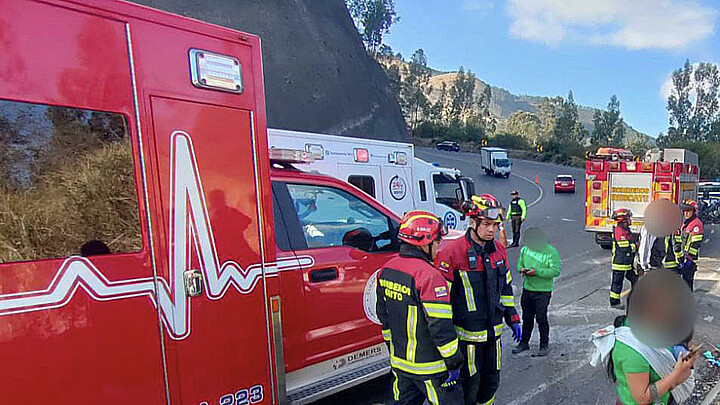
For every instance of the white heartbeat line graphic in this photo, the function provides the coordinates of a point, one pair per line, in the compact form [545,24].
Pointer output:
[189,221]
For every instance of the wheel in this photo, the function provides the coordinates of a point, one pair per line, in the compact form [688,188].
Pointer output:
[606,246]
[507,175]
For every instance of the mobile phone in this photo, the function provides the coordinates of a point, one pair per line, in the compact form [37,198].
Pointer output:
[691,353]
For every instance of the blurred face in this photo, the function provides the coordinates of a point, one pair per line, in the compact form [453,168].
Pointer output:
[486,229]
[687,214]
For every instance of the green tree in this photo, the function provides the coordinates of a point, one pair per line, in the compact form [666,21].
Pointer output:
[415,90]
[549,112]
[705,110]
[608,126]
[373,19]
[462,96]
[567,127]
[525,124]
[694,104]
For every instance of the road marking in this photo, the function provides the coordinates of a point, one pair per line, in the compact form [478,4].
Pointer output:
[534,184]
[544,386]
[512,174]
[568,220]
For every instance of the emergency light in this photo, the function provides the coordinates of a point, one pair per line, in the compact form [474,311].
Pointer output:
[290,156]
[399,158]
[315,150]
[361,155]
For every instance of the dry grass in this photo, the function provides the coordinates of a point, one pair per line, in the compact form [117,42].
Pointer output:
[92,196]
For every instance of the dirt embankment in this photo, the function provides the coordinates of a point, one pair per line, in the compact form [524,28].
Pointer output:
[318,77]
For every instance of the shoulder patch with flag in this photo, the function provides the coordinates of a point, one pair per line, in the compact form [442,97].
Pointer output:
[440,292]
[445,266]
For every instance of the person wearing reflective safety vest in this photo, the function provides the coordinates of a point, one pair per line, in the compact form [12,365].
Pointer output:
[683,247]
[413,305]
[481,295]
[624,249]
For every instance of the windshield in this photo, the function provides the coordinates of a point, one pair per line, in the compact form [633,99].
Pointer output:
[448,190]
[564,178]
[502,162]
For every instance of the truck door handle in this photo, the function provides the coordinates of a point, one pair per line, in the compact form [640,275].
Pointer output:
[318,276]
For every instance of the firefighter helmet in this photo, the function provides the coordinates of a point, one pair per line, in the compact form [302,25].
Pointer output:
[689,205]
[485,206]
[622,215]
[420,228]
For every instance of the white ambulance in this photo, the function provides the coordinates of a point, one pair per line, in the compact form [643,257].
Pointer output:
[387,171]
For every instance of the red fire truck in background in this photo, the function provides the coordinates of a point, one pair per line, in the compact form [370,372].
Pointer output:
[616,179]
[150,250]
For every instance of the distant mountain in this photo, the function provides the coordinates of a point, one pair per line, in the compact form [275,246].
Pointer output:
[504,103]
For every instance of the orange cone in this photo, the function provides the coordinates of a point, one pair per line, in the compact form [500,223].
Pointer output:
[537,179]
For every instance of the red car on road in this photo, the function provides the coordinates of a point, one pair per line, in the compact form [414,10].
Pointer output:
[564,183]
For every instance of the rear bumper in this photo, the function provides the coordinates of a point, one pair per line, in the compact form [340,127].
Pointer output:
[565,188]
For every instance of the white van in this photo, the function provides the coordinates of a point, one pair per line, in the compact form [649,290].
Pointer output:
[387,171]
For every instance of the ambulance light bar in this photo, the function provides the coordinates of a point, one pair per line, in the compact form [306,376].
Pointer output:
[361,155]
[290,156]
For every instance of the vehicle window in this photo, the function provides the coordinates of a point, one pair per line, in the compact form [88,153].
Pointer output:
[502,162]
[423,192]
[364,183]
[333,217]
[447,190]
[564,178]
[67,184]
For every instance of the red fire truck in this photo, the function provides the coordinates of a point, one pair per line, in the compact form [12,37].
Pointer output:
[616,179]
[150,251]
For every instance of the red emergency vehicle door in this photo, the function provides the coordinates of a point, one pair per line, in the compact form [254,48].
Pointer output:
[348,237]
[218,349]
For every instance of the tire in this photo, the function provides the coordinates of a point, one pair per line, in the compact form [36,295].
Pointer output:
[606,246]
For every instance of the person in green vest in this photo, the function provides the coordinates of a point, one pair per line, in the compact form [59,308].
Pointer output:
[539,263]
[518,213]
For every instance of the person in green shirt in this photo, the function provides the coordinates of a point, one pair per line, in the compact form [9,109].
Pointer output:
[637,382]
[539,263]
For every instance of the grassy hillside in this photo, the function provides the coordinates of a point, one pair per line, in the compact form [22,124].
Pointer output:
[504,103]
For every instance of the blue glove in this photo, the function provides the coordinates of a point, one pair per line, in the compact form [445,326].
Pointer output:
[516,332]
[452,380]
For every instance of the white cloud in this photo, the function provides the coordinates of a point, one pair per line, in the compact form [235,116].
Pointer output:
[632,24]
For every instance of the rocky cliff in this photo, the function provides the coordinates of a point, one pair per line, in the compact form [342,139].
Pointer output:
[318,77]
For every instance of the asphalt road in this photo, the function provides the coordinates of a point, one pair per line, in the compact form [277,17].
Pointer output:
[579,305]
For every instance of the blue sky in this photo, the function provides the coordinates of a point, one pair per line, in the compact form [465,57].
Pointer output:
[546,47]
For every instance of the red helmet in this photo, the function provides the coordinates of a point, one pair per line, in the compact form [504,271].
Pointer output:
[689,204]
[485,206]
[420,228]
[622,215]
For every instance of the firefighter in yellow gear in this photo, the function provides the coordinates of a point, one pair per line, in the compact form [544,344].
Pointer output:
[413,305]
[624,249]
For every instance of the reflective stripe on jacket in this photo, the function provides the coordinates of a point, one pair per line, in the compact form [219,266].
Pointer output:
[413,305]
[481,293]
[623,249]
